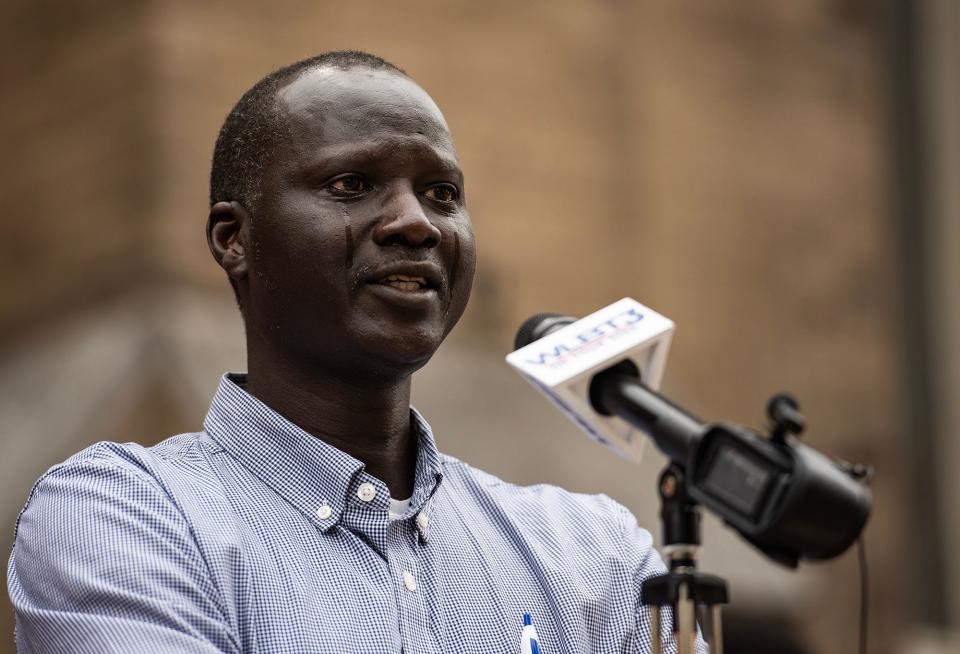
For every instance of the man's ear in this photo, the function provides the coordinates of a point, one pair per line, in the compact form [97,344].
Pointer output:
[228,230]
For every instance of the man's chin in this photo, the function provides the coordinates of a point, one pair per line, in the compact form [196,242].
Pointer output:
[403,356]
[401,335]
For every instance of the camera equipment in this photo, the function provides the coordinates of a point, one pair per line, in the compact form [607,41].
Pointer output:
[784,497]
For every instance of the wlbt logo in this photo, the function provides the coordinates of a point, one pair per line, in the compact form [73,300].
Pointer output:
[588,339]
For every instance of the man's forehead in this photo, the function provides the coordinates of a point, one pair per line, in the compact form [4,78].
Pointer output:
[330,101]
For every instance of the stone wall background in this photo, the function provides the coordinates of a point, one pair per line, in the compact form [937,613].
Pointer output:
[729,164]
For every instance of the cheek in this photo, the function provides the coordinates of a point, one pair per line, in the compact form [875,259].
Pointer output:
[463,267]
[301,255]
[466,263]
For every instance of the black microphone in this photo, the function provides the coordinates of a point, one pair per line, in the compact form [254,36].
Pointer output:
[784,497]
[619,391]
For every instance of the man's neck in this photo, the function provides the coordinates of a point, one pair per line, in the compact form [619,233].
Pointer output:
[371,423]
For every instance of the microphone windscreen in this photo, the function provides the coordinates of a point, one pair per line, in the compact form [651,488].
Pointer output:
[536,327]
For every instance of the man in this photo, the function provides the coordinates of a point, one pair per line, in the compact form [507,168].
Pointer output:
[314,513]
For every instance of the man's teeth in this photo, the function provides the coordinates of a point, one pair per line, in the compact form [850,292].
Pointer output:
[405,282]
[404,286]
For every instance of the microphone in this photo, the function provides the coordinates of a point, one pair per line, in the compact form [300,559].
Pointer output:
[560,355]
[786,498]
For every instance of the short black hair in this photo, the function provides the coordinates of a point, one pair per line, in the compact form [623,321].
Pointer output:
[253,127]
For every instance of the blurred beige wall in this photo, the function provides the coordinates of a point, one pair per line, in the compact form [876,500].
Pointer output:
[727,163]
[940,101]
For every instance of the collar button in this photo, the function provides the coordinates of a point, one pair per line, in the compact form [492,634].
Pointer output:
[367,492]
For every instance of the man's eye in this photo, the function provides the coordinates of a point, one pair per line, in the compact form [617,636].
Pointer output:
[443,193]
[349,185]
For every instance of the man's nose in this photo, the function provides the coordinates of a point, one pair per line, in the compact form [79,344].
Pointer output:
[404,222]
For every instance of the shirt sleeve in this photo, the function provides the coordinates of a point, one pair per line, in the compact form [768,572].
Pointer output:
[647,564]
[104,561]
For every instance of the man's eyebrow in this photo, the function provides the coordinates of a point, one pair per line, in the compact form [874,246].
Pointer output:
[332,157]
[450,166]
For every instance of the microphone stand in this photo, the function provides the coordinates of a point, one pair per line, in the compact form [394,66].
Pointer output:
[690,593]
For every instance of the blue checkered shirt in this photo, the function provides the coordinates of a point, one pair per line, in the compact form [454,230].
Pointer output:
[254,536]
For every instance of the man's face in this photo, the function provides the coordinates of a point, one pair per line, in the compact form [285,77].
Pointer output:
[363,249]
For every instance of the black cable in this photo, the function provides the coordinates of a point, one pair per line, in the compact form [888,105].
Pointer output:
[864,593]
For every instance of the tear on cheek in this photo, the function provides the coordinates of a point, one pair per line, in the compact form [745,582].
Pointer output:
[454,270]
[347,238]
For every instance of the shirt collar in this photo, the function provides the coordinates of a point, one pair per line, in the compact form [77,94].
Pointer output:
[302,469]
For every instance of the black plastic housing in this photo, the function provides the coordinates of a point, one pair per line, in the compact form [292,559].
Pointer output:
[788,499]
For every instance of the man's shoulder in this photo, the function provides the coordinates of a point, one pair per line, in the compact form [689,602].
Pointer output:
[128,468]
[108,479]
[182,451]
[597,513]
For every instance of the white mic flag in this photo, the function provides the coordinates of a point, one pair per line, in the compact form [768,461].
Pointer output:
[562,364]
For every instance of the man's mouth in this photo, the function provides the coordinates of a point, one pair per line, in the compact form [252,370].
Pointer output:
[406,283]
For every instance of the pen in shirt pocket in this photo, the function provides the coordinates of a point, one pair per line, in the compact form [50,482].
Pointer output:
[529,643]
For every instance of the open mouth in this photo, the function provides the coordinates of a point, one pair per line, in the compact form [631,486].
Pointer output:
[410,284]
[406,283]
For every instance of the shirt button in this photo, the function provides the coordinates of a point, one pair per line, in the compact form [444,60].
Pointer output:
[324,512]
[422,520]
[409,581]
[367,492]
